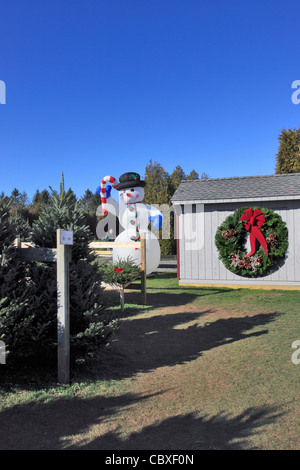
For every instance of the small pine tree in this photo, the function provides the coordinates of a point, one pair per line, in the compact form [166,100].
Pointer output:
[28,290]
[90,323]
[119,275]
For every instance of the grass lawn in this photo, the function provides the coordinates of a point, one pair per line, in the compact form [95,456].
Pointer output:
[197,368]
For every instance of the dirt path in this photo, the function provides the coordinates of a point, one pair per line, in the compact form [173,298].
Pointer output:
[171,399]
[168,385]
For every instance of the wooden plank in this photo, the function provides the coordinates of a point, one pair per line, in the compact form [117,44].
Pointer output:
[63,311]
[296,253]
[290,261]
[113,245]
[189,240]
[45,255]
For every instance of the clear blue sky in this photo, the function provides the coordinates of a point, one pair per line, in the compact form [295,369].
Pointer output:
[100,87]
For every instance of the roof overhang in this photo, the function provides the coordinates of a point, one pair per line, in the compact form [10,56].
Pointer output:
[243,200]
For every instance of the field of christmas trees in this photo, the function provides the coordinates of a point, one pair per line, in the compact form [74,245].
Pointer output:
[28,290]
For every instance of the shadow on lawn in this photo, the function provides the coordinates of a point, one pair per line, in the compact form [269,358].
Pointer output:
[159,299]
[143,344]
[94,423]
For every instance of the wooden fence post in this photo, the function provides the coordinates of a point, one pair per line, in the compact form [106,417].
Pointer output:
[63,309]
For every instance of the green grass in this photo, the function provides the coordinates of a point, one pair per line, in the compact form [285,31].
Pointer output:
[250,299]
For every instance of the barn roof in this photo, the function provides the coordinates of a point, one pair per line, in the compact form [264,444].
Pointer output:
[256,188]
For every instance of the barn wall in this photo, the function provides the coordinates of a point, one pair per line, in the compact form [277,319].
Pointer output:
[199,261]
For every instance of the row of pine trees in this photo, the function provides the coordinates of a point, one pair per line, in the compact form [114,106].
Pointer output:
[28,289]
[28,299]
[159,189]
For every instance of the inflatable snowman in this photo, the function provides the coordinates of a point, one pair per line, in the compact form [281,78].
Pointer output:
[134,216]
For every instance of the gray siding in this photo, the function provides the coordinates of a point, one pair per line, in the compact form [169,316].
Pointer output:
[199,261]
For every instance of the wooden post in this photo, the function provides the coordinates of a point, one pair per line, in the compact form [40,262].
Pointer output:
[143,268]
[63,310]
[18,242]
[122,298]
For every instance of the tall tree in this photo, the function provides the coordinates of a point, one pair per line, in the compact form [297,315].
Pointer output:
[193,175]
[157,191]
[39,201]
[89,203]
[176,177]
[157,184]
[41,198]
[288,156]
[18,200]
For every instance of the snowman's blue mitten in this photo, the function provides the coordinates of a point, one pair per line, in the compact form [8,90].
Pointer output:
[108,191]
[156,221]
[98,191]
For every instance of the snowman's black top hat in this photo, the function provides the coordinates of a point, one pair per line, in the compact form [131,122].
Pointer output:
[130,180]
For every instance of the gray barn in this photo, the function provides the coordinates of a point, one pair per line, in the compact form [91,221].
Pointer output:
[202,205]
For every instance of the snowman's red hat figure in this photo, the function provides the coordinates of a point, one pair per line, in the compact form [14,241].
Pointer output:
[134,216]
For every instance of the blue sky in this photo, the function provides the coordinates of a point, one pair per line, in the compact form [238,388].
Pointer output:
[100,87]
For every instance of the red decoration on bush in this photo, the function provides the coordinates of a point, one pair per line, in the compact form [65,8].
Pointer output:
[254,221]
[118,270]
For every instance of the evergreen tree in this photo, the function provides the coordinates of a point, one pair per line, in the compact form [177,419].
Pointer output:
[288,157]
[89,204]
[16,318]
[193,175]
[160,187]
[41,198]
[157,184]
[18,201]
[21,226]
[19,207]
[157,192]
[28,290]
[176,177]
[90,323]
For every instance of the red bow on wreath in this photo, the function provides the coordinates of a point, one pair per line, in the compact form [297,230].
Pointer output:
[254,221]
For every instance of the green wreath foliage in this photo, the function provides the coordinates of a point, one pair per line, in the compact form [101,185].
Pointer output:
[230,240]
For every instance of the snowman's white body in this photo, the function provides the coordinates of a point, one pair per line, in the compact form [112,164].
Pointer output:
[125,211]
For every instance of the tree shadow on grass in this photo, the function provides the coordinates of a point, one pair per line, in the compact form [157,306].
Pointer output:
[144,344]
[157,299]
[100,423]
[193,432]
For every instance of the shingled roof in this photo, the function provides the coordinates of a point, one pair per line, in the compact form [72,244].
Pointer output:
[267,187]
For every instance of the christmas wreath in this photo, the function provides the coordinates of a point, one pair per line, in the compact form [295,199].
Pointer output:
[268,237]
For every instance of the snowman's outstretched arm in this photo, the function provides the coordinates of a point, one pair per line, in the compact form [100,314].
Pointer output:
[155,216]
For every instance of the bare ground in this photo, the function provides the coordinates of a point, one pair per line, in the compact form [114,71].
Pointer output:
[169,385]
